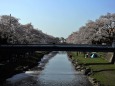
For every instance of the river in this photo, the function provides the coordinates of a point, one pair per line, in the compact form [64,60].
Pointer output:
[57,71]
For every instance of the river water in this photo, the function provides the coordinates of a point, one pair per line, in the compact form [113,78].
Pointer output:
[57,71]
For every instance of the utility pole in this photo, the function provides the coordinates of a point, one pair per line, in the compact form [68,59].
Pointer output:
[10,20]
[113,33]
[113,43]
[10,26]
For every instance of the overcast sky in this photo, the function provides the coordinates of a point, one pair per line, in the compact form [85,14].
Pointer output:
[56,17]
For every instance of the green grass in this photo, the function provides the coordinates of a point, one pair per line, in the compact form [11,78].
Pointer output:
[103,71]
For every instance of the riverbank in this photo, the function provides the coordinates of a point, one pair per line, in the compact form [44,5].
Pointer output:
[99,71]
[12,68]
[57,71]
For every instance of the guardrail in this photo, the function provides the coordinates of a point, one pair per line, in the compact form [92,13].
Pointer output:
[57,47]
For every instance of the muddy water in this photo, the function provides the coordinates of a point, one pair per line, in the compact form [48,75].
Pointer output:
[57,71]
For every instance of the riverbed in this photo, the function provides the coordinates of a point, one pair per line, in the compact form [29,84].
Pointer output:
[55,69]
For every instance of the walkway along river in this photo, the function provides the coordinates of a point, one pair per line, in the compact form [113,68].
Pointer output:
[58,71]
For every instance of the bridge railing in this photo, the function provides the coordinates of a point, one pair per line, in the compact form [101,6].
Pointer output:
[58,47]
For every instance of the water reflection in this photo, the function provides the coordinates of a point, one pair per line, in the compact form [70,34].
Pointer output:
[57,72]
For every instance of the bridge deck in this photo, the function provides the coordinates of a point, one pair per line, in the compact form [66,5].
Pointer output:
[57,47]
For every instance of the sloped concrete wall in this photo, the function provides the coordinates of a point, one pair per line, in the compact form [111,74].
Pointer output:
[109,56]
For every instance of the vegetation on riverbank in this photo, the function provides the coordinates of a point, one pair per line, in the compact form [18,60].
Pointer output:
[99,31]
[23,64]
[102,70]
[13,32]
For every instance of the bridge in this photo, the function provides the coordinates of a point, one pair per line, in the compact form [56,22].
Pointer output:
[57,47]
[27,50]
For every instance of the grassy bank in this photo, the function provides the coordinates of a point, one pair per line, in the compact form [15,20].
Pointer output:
[103,71]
